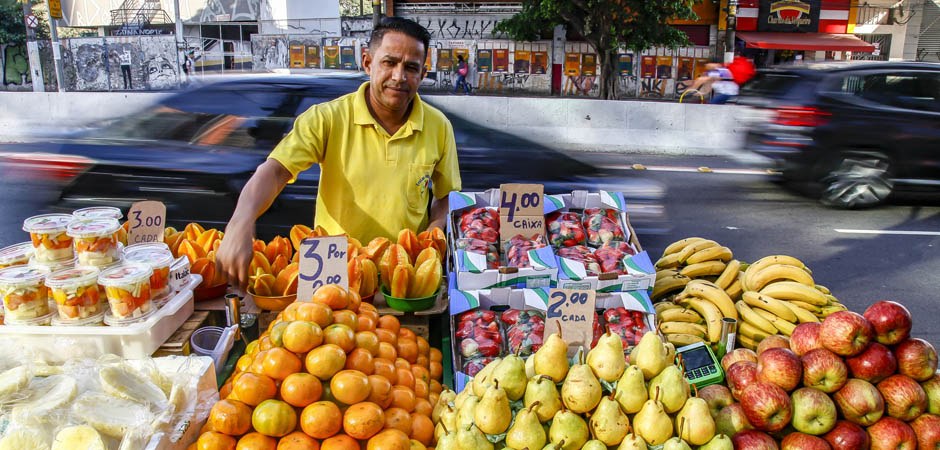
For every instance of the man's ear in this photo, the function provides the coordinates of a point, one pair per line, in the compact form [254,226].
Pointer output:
[367,62]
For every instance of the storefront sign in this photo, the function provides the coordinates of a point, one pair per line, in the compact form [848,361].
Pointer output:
[789,15]
[322,261]
[313,56]
[663,67]
[348,57]
[573,311]
[625,64]
[55,9]
[296,55]
[331,57]
[648,67]
[147,220]
[572,64]
[444,60]
[588,64]
[521,62]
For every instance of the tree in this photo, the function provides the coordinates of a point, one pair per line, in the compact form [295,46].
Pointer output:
[12,30]
[353,8]
[608,25]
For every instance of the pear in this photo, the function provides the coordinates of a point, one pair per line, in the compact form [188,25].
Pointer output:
[466,412]
[526,430]
[554,446]
[650,355]
[529,367]
[552,357]
[631,390]
[581,391]
[670,352]
[448,418]
[719,442]
[699,425]
[606,358]
[608,423]
[593,444]
[675,388]
[444,400]
[569,428]
[472,439]
[542,390]
[492,414]
[652,423]
[483,378]
[632,442]
[675,443]
[448,441]
[510,373]
[462,396]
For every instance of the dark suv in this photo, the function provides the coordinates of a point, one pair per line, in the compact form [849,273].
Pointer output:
[857,130]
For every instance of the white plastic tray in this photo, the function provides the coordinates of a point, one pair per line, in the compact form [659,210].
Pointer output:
[60,343]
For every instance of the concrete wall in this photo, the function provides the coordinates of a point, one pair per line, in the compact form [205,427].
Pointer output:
[574,124]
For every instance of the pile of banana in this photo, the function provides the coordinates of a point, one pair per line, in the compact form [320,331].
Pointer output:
[779,293]
[696,258]
[698,282]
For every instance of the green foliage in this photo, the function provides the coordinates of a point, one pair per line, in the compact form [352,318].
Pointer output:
[12,28]
[353,8]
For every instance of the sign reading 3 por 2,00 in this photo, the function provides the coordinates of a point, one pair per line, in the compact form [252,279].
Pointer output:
[322,261]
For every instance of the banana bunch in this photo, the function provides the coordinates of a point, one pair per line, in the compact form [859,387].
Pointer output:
[412,267]
[697,313]
[680,325]
[696,258]
[780,293]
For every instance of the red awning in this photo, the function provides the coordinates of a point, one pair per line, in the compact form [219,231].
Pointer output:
[805,41]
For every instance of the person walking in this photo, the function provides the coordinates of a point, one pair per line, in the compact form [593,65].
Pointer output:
[463,69]
[125,58]
[720,81]
[387,159]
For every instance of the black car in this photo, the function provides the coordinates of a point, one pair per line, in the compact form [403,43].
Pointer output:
[196,149]
[857,131]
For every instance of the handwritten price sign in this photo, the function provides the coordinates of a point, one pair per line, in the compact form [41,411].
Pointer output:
[322,261]
[520,210]
[147,221]
[573,309]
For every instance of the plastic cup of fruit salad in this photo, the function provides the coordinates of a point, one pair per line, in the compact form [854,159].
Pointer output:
[48,234]
[76,293]
[16,254]
[98,212]
[95,241]
[25,296]
[127,287]
[159,258]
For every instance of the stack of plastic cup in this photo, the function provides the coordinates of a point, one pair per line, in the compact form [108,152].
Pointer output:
[159,258]
[98,212]
[48,233]
[127,287]
[25,296]
[96,242]
[16,254]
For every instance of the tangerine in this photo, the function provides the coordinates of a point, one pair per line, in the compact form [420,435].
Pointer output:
[390,323]
[297,440]
[381,391]
[252,348]
[399,419]
[350,386]
[415,445]
[407,333]
[302,336]
[436,371]
[257,364]
[423,361]
[230,417]
[274,418]
[436,355]
[340,442]
[386,335]
[243,363]
[421,389]
[407,349]
[301,389]
[346,317]
[277,333]
[389,439]
[369,341]
[265,343]
[435,386]
[403,397]
[321,419]
[279,363]
[421,373]
[331,295]
[424,348]
[402,363]
[387,350]
[365,323]
[422,429]
[213,440]
[363,420]
[405,378]
[325,360]
[355,300]
[360,359]
[317,313]
[290,312]
[226,388]
[423,406]
[253,388]
[432,398]
[256,441]
[385,369]
[341,335]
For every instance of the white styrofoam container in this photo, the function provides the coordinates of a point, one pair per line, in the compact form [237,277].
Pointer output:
[59,343]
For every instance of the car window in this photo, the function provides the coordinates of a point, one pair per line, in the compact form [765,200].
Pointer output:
[771,84]
[908,90]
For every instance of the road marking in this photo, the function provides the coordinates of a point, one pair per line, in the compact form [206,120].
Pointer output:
[899,232]
[691,169]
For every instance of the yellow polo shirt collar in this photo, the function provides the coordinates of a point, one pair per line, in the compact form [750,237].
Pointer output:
[362,116]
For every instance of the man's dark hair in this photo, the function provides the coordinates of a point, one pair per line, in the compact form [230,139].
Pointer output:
[459,57]
[401,25]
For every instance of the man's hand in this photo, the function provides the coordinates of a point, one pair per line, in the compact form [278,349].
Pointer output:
[235,252]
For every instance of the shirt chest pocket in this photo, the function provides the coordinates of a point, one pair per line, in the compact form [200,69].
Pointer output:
[418,185]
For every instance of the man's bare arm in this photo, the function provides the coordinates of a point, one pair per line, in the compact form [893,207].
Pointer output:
[438,217]
[235,252]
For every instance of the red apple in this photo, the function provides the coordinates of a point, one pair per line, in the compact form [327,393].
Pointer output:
[904,398]
[766,406]
[916,358]
[780,366]
[890,320]
[731,420]
[848,436]
[927,429]
[813,411]
[739,376]
[891,433]
[773,341]
[805,337]
[824,370]
[803,441]
[754,440]
[846,333]
[860,402]
[932,388]
[738,354]
[874,364]
[717,396]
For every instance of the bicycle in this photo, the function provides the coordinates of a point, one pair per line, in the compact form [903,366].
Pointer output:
[696,92]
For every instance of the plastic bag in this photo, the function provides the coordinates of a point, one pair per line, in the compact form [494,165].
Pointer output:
[610,259]
[516,250]
[480,223]
[565,229]
[602,226]
[584,255]
[629,325]
[524,330]
[481,247]
[479,335]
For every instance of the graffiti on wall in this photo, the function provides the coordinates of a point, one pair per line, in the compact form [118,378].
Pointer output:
[15,65]
[121,63]
[453,28]
[230,10]
[269,51]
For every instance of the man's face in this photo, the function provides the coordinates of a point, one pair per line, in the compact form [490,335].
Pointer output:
[395,70]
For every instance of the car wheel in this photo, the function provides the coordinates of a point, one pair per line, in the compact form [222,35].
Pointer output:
[858,182]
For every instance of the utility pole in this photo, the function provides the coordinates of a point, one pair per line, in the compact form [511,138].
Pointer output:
[729,32]
[376,12]
[55,13]
[32,48]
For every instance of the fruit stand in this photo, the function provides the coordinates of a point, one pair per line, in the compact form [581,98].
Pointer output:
[547,328]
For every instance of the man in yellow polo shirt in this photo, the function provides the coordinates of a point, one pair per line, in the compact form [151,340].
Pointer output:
[382,153]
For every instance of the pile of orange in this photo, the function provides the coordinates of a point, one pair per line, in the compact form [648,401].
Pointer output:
[330,374]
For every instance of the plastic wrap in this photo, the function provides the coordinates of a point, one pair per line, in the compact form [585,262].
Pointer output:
[524,330]
[584,255]
[481,247]
[602,226]
[565,229]
[516,250]
[480,223]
